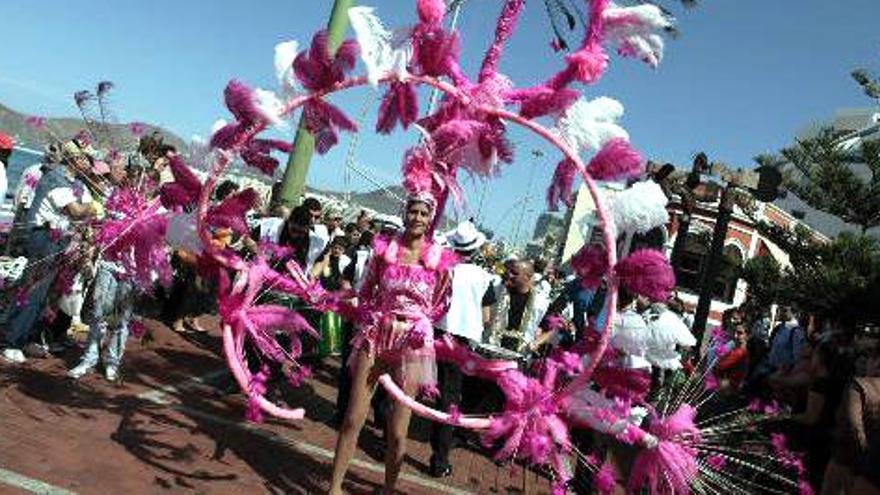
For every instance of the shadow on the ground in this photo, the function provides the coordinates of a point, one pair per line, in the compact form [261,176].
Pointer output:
[146,428]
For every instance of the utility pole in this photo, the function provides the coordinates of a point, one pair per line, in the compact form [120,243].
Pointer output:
[293,184]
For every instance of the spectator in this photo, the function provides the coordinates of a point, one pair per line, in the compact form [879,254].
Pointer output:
[329,271]
[785,342]
[856,451]
[6,146]
[465,321]
[732,368]
[812,428]
[58,199]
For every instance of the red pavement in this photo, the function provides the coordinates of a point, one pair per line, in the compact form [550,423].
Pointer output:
[161,431]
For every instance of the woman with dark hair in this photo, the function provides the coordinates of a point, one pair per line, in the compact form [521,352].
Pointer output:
[813,426]
[855,455]
[328,270]
[295,234]
[405,291]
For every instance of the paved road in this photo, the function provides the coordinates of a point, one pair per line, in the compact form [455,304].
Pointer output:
[172,427]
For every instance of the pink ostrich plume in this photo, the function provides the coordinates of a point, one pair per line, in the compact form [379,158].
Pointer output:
[671,465]
[400,104]
[134,236]
[184,191]
[257,153]
[616,160]
[431,11]
[591,265]
[318,70]
[646,272]
[560,189]
[231,212]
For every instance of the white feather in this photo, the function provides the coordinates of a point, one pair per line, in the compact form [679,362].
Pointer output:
[285,53]
[667,332]
[631,334]
[588,125]
[218,124]
[640,208]
[270,106]
[384,52]
[632,29]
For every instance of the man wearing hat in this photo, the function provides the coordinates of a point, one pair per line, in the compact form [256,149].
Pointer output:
[468,315]
[58,200]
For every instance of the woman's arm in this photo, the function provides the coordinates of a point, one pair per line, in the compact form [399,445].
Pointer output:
[319,268]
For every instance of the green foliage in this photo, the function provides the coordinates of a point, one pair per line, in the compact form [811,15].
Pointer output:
[839,271]
[765,279]
[837,181]
[869,85]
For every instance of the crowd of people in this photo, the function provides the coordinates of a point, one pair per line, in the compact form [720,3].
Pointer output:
[825,372]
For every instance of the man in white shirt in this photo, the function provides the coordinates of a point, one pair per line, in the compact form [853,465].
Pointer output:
[58,199]
[466,319]
[319,236]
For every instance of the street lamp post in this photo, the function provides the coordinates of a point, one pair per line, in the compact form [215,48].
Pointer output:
[709,274]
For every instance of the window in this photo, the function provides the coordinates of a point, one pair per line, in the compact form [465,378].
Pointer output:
[693,262]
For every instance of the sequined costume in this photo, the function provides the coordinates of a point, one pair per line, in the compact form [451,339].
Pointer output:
[399,304]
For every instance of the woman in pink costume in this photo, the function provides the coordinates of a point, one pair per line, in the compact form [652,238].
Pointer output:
[406,290]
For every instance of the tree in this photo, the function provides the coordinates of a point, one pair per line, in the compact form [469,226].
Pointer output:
[765,279]
[843,183]
[840,271]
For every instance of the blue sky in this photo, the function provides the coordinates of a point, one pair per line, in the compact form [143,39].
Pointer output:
[743,78]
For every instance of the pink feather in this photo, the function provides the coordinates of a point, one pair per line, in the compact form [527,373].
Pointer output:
[591,265]
[589,63]
[542,100]
[256,153]
[241,102]
[317,70]
[436,51]
[231,212]
[400,104]
[563,183]
[646,272]
[228,136]
[616,160]
[431,11]
[322,119]
[605,479]
[504,28]
[134,236]
[186,188]
[671,466]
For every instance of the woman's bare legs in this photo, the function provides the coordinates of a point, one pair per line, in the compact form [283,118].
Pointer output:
[362,387]
[398,431]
